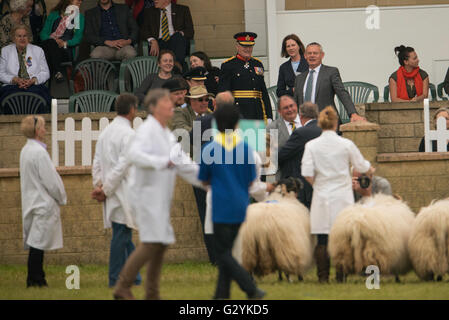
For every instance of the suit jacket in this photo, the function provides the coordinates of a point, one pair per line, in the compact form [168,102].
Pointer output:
[286,77]
[181,19]
[125,21]
[283,136]
[290,156]
[328,85]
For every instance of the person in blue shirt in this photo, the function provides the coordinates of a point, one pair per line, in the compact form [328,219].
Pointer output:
[228,166]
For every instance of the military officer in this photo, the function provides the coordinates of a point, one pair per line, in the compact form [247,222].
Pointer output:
[243,75]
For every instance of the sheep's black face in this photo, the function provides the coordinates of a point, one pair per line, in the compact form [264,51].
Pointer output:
[292,184]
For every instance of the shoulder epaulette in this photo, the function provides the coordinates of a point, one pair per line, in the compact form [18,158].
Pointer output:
[256,59]
[233,57]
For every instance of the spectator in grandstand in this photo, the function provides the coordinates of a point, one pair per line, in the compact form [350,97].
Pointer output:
[20,14]
[165,61]
[441,112]
[62,32]
[200,59]
[111,28]
[409,82]
[446,82]
[23,67]
[292,48]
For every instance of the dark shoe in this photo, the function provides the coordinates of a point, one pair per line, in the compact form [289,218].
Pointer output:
[59,77]
[37,283]
[258,295]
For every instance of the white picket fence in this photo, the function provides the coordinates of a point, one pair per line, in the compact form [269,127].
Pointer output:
[441,134]
[69,135]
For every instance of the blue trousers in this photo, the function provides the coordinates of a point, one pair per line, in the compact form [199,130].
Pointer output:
[121,248]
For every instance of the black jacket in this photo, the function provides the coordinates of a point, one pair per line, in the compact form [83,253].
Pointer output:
[125,21]
[286,77]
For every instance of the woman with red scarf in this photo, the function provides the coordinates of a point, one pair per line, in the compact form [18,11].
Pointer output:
[409,82]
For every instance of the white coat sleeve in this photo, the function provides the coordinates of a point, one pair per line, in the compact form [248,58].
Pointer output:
[120,170]
[96,166]
[44,72]
[5,77]
[50,178]
[185,167]
[140,156]
[357,160]
[307,165]
[258,189]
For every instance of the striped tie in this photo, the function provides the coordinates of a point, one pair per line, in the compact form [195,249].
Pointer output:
[293,125]
[164,26]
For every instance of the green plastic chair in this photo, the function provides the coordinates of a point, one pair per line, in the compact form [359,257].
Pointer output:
[440,91]
[136,70]
[145,48]
[433,92]
[360,93]
[92,101]
[273,96]
[97,74]
[23,103]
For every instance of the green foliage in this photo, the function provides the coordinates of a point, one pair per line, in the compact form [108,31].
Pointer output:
[197,281]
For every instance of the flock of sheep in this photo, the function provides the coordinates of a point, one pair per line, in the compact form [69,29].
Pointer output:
[380,231]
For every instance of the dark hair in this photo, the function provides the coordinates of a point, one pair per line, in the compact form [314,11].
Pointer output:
[124,102]
[403,52]
[203,56]
[165,51]
[227,117]
[328,118]
[295,38]
[61,6]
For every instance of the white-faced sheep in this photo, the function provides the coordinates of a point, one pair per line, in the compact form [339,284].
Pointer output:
[276,234]
[372,232]
[429,241]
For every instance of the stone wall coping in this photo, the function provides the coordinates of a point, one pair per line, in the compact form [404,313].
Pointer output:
[412,156]
[63,171]
[63,116]
[392,106]
[359,126]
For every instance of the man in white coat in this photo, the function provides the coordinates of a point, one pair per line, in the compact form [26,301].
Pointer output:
[156,159]
[109,175]
[42,193]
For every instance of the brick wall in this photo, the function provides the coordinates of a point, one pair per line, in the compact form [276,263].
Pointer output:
[333,4]
[85,239]
[401,124]
[418,178]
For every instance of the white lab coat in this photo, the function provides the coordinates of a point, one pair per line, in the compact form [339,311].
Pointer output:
[151,183]
[110,168]
[328,159]
[258,190]
[37,66]
[42,193]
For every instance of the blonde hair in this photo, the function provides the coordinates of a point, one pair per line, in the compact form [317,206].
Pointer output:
[328,118]
[29,125]
[18,27]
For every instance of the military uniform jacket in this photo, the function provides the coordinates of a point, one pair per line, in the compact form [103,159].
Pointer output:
[246,82]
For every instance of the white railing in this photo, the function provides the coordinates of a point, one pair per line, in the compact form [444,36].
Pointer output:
[441,134]
[69,135]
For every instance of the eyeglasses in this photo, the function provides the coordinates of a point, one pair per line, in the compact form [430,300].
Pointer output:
[203,99]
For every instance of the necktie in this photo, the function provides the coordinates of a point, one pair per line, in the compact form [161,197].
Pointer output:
[309,88]
[293,125]
[23,73]
[164,26]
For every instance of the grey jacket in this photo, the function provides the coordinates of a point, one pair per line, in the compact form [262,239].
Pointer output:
[125,21]
[328,85]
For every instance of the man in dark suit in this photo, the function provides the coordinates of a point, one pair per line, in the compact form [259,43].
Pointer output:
[111,28]
[168,26]
[290,155]
[321,83]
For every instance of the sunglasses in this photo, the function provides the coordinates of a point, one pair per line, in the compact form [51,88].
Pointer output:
[203,99]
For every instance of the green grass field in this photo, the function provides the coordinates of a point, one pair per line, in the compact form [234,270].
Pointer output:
[196,281]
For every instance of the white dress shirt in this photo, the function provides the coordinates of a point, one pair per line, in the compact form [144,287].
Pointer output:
[171,29]
[315,78]
[297,124]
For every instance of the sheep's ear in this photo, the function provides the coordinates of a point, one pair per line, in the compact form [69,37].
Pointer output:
[284,190]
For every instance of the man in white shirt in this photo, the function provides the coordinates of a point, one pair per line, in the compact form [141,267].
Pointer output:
[168,26]
[282,127]
[109,174]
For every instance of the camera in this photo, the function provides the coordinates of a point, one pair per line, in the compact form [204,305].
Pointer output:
[364,181]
